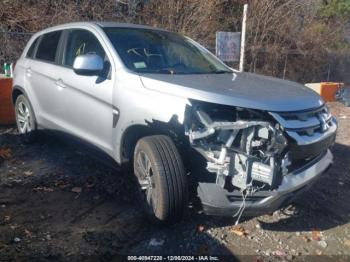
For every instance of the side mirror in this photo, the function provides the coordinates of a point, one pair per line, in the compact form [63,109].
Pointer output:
[89,64]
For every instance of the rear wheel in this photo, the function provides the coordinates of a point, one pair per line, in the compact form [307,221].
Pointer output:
[162,178]
[25,118]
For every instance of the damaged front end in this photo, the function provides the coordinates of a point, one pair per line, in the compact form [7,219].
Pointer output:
[244,151]
[248,153]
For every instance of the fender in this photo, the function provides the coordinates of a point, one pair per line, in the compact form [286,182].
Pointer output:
[16,90]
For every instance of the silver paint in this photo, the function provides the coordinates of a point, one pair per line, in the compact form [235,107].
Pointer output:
[89,62]
[101,111]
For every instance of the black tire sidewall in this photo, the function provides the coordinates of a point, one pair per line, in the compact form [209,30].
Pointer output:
[164,178]
[146,148]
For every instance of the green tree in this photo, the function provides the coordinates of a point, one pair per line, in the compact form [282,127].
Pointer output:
[335,9]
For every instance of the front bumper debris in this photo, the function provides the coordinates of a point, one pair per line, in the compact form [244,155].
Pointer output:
[218,201]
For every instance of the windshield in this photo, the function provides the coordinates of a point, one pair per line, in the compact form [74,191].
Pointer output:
[162,52]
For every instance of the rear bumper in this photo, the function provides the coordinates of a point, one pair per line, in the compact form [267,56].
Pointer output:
[218,201]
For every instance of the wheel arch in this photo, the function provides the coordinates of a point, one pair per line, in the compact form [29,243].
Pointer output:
[133,133]
[17,91]
[129,139]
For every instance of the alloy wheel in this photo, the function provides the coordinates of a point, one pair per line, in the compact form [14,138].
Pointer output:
[23,118]
[146,179]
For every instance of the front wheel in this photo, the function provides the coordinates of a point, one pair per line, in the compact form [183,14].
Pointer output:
[162,178]
[25,118]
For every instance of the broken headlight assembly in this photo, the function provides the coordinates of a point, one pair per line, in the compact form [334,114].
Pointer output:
[244,148]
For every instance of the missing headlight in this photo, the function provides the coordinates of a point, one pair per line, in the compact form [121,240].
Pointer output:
[243,147]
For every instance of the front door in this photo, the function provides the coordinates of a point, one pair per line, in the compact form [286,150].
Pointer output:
[87,99]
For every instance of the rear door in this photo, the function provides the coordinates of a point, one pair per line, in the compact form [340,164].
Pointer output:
[40,76]
[87,99]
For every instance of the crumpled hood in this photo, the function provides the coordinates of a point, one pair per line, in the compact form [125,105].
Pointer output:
[237,89]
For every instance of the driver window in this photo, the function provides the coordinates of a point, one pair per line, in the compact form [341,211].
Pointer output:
[81,42]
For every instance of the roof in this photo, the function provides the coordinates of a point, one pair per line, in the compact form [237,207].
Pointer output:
[96,24]
[126,25]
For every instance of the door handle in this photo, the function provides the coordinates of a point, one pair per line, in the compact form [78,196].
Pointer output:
[60,83]
[28,71]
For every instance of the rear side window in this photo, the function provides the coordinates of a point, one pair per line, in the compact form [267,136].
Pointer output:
[31,51]
[81,42]
[48,46]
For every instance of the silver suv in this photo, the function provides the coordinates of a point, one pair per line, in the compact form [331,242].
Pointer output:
[180,117]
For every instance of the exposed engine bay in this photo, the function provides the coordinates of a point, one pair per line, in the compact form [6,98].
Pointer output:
[258,160]
[243,147]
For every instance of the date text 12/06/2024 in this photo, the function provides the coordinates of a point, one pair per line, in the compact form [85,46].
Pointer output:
[173,258]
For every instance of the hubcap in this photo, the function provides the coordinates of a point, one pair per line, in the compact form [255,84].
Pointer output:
[23,118]
[146,178]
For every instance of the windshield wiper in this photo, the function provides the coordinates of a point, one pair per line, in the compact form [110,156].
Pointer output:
[158,71]
[221,72]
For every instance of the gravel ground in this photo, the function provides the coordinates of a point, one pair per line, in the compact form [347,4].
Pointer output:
[57,203]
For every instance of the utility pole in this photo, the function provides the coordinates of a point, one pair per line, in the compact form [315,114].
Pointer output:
[244,22]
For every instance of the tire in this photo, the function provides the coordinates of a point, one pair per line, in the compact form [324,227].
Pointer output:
[25,118]
[163,187]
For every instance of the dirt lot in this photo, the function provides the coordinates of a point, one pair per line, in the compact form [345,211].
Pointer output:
[57,203]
